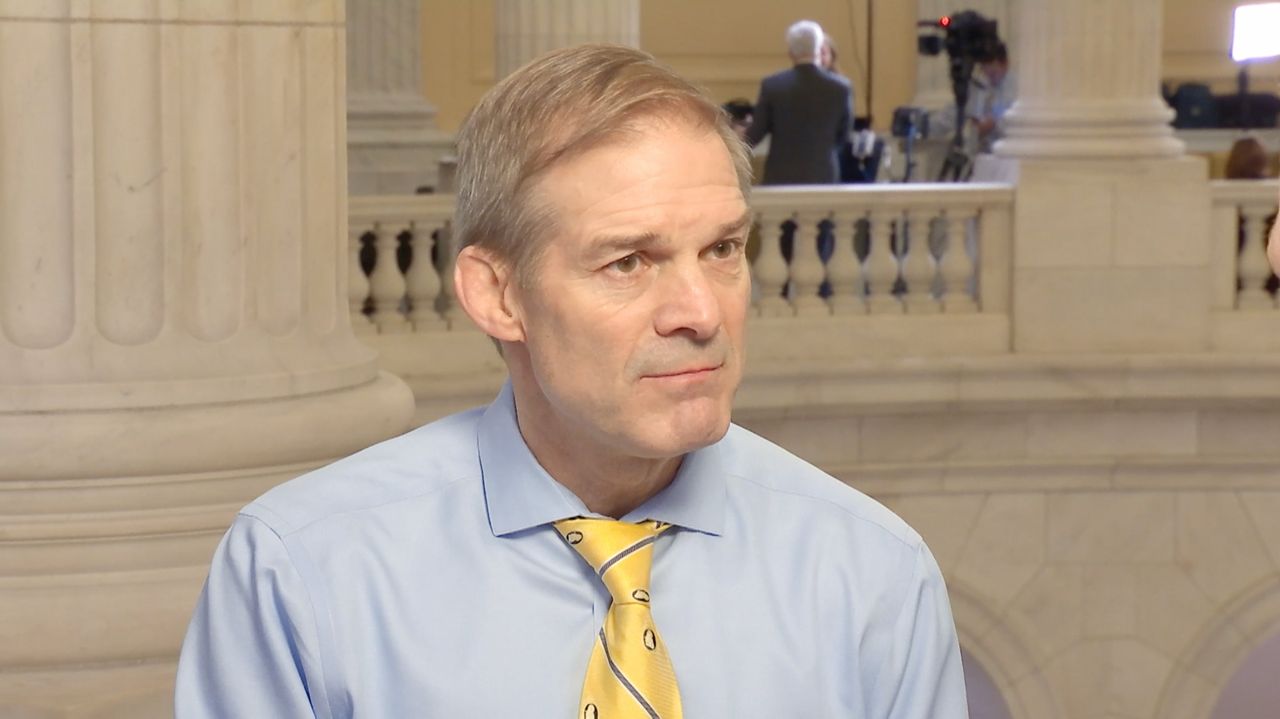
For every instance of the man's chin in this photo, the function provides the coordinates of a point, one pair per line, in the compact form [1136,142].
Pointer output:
[688,433]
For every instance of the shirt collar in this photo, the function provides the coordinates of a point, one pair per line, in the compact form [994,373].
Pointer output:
[519,494]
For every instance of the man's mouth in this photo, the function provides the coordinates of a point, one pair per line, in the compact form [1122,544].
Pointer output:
[687,372]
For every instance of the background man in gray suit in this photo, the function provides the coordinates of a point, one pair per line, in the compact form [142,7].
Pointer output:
[806,112]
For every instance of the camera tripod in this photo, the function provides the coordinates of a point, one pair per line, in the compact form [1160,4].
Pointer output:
[958,166]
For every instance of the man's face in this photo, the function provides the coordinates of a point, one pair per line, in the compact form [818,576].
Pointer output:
[995,71]
[634,320]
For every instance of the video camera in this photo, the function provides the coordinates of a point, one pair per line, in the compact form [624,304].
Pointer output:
[967,35]
[969,39]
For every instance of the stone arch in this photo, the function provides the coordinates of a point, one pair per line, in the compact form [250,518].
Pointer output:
[986,701]
[1202,671]
[1003,654]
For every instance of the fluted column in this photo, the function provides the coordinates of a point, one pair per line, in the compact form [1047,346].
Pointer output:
[529,28]
[1089,81]
[174,337]
[933,79]
[394,143]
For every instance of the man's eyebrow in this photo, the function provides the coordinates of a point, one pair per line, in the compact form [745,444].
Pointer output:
[602,244]
[608,244]
[737,225]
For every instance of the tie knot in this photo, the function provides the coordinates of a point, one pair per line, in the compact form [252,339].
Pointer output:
[620,552]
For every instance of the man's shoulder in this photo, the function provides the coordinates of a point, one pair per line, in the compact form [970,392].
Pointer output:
[781,77]
[840,81]
[789,480]
[422,461]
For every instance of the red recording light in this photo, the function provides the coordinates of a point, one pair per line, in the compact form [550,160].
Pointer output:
[945,21]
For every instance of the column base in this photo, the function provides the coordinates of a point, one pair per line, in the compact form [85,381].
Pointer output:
[135,690]
[1110,129]
[110,518]
[393,146]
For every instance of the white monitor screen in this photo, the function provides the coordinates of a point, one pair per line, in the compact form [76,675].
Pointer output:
[1257,32]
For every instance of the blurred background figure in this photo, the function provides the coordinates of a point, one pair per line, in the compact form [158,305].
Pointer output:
[1248,160]
[740,112]
[851,170]
[805,112]
[828,56]
[994,91]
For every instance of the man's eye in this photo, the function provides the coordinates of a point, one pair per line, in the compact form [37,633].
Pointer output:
[626,265]
[724,249]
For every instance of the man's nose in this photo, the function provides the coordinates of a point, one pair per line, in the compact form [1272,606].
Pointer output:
[688,304]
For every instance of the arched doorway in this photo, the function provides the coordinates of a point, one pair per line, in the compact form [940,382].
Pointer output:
[1252,692]
[985,699]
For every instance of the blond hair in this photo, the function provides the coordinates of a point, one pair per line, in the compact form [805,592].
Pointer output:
[552,109]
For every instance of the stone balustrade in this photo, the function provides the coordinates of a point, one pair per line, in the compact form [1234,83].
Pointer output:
[401,293]
[1244,211]
[959,266]
[1246,309]
[911,249]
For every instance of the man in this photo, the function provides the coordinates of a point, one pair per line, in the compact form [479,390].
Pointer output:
[471,569]
[992,96]
[805,111]
[740,111]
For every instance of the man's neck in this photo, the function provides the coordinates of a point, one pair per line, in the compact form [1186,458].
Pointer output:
[606,481]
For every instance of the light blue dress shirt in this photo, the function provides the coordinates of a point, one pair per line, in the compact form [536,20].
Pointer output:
[421,578]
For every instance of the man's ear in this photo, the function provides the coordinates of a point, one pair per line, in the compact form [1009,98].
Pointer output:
[482,282]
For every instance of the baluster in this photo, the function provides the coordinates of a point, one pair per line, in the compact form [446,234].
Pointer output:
[918,266]
[881,269]
[1252,264]
[446,258]
[422,284]
[957,264]
[358,285]
[386,283]
[843,270]
[770,270]
[807,271]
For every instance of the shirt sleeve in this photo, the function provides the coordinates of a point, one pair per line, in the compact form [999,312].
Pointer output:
[250,650]
[922,677]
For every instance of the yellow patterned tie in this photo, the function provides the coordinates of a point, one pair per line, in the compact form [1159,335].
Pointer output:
[629,675]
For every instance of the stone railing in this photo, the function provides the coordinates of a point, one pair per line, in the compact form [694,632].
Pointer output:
[390,292]
[1243,211]
[859,252]
[1242,287]
[856,254]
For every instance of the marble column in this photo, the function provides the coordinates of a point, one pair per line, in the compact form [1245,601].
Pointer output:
[1089,81]
[174,338]
[393,141]
[528,28]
